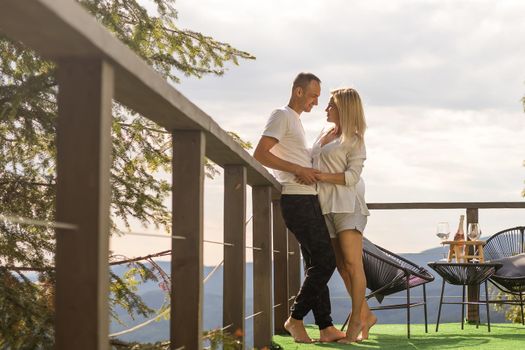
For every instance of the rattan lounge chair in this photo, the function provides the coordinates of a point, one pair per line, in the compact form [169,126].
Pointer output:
[388,273]
[505,246]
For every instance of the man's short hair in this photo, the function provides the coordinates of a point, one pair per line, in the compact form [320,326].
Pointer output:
[303,79]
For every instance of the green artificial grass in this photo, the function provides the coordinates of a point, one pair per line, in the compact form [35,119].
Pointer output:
[450,336]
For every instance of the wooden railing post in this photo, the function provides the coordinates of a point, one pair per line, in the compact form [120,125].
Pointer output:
[262,266]
[83,199]
[186,256]
[472,291]
[234,280]
[294,268]
[280,269]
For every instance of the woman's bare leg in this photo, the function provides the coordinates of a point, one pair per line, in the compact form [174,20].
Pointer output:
[353,244]
[368,319]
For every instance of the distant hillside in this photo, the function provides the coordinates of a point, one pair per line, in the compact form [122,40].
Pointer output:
[340,302]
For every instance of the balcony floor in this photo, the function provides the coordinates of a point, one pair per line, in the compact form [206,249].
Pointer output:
[450,336]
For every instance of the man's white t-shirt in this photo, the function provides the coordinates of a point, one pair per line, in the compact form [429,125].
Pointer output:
[285,126]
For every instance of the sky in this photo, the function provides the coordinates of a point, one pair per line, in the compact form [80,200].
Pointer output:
[441,82]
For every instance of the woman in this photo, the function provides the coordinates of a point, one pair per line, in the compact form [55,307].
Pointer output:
[339,154]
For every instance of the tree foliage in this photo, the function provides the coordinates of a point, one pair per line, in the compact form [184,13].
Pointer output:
[141,149]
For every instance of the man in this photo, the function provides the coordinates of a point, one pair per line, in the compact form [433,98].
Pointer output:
[282,147]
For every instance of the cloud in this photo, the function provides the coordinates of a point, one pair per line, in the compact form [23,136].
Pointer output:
[436,53]
[452,155]
[441,82]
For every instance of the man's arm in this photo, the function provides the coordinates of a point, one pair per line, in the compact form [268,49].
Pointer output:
[265,157]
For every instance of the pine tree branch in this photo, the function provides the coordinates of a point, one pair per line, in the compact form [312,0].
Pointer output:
[30,183]
[127,125]
[113,263]
[141,258]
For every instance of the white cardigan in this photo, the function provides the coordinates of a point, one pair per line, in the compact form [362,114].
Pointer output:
[335,157]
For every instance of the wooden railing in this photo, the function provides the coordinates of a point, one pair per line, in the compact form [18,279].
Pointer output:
[93,69]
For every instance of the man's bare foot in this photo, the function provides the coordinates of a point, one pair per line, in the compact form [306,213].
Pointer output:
[297,330]
[330,334]
[352,333]
[369,323]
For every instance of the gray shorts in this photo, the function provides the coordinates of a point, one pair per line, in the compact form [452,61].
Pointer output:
[338,222]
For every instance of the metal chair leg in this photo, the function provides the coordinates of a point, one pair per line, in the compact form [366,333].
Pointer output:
[487,304]
[346,322]
[425,307]
[408,306]
[440,304]
[521,304]
[463,308]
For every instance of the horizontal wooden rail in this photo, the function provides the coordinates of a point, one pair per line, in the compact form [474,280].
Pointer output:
[447,205]
[70,31]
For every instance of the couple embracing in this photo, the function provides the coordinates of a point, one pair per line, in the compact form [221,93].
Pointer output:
[322,203]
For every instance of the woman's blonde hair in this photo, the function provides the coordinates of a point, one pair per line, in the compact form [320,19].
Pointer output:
[351,114]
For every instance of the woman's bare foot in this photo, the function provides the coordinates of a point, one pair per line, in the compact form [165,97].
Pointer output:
[330,334]
[297,330]
[370,321]
[352,333]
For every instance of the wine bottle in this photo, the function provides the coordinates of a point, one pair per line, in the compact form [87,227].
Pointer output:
[457,250]
[460,233]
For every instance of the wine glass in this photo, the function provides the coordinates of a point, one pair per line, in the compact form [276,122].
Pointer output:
[443,232]
[473,231]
